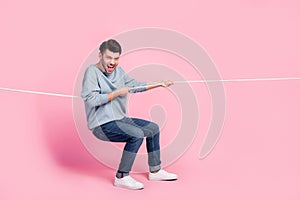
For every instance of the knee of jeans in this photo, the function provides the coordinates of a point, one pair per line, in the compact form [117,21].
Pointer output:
[136,135]
[137,140]
[155,129]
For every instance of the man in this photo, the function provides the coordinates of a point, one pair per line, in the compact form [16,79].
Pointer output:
[104,89]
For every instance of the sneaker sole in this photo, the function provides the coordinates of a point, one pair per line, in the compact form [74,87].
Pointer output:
[122,186]
[174,179]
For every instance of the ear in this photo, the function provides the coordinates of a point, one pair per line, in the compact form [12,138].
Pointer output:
[100,55]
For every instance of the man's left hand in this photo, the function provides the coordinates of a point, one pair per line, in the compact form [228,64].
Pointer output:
[166,83]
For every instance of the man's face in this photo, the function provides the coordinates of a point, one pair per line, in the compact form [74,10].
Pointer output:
[109,60]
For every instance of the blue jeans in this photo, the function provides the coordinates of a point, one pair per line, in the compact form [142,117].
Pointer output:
[132,131]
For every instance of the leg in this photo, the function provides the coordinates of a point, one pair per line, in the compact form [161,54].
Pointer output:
[119,131]
[152,133]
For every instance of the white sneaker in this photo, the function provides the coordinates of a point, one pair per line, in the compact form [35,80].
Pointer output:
[128,182]
[162,175]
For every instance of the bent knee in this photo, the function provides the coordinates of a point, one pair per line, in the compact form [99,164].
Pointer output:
[154,128]
[136,133]
[136,140]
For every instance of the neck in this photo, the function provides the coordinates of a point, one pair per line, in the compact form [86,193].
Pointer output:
[100,66]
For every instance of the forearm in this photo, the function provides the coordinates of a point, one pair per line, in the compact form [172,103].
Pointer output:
[95,99]
[152,85]
[112,96]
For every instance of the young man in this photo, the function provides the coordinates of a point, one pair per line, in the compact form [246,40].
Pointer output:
[104,89]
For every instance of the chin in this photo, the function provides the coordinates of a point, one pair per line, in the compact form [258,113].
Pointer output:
[109,71]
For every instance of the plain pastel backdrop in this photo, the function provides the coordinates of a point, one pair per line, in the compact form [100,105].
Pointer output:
[44,43]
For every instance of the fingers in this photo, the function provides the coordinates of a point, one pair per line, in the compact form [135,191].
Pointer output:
[167,83]
[123,91]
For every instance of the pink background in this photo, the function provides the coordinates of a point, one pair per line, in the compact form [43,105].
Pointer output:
[43,45]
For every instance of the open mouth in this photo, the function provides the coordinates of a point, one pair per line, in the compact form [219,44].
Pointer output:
[110,68]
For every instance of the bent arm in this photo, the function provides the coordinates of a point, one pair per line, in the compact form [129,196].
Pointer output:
[91,90]
[152,85]
[137,86]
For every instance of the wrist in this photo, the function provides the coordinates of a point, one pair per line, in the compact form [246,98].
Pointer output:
[111,96]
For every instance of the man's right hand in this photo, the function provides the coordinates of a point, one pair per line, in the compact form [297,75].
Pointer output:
[122,91]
